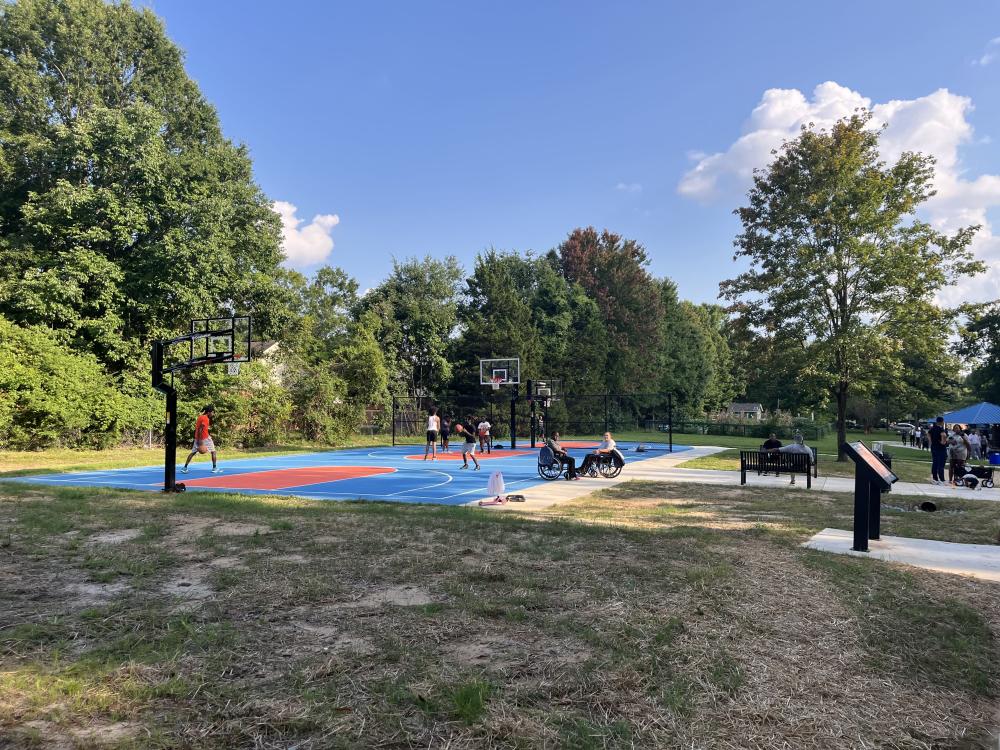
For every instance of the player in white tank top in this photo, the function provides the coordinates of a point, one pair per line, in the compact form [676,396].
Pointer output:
[433,426]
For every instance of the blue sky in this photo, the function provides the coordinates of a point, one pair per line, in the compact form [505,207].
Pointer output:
[447,128]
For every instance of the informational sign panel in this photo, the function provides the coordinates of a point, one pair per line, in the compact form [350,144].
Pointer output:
[863,455]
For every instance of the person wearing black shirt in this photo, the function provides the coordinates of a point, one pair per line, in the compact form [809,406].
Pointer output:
[562,456]
[939,450]
[771,444]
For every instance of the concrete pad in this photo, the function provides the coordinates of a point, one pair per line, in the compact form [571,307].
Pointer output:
[541,496]
[974,560]
[665,469]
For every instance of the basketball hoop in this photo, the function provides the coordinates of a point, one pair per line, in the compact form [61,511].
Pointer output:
[495,383]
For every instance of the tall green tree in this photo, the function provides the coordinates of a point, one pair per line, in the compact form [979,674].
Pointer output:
[321,312]
[418,309]
[979,346]
[124,211]
[613,272]
[838,258]
[683,361]
[497,318]
[722,381]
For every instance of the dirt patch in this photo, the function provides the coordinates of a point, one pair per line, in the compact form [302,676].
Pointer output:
[190,582]
[55,737]
[185,528]
[293,558]
[333,639]
[400,596]
[234,528]
[88,594]
[491,651]
[228,563]
[118,536]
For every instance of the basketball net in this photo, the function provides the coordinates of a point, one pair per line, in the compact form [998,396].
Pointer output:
[495,383]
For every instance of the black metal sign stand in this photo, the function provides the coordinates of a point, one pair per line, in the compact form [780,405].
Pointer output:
[871,478]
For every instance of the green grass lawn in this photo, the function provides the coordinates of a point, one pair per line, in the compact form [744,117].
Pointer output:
[649,615]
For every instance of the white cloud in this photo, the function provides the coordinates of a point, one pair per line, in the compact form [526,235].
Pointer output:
[628,187]
[990,54]
[309,244]
[936,124]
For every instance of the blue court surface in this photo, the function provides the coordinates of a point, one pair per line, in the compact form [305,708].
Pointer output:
[394,474]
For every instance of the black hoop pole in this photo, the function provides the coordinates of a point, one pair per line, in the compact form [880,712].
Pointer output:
[670,420]
[606,412]
[513,416]
[393,420]
[533,418]
[170,426]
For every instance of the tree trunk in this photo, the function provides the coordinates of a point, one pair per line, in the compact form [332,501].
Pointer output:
[841,421]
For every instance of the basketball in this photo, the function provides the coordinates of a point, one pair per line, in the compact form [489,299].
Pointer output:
[202,448]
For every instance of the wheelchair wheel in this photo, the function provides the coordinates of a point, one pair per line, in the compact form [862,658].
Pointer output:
[548,472]
[609,470]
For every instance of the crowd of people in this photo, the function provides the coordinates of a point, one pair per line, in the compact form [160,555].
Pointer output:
[952,448]
[978,439]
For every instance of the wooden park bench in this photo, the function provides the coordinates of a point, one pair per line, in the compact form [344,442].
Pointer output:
[763,461]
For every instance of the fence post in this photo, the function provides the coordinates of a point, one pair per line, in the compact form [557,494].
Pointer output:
[606,412]
[393,420]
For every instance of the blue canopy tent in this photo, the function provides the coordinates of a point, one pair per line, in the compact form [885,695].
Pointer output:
[977,414]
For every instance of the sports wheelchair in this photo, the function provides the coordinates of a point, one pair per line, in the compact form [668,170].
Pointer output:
[607,465]
[549,467]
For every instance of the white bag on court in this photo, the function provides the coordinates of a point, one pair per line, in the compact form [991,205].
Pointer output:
[495,487]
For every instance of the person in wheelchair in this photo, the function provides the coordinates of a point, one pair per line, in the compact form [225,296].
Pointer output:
[591,460]
[552,443]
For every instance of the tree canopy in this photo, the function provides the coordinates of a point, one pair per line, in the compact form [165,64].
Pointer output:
[124,211]
[840,263]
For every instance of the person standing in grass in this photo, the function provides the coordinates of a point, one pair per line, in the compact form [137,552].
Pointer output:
[469,446]
[938,439]
[203,442]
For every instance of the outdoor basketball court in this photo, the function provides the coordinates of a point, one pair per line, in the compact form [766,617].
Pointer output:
[393,474]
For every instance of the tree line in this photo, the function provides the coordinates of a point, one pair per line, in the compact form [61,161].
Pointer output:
[125,212]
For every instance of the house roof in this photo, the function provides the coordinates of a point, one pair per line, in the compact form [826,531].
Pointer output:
[981,413]
[259,347]
[745,407]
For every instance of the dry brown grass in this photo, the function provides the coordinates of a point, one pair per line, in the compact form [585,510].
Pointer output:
[646,616]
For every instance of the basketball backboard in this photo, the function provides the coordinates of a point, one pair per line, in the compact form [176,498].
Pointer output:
[500,371]
[547,390]
[210,341]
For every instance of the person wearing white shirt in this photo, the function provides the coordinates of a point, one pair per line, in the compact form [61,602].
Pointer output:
[607,445]
[485,444]
[974,445]
[433,427]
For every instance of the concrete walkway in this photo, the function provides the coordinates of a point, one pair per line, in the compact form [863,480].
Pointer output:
[547,494]
[975,560]
[664,469]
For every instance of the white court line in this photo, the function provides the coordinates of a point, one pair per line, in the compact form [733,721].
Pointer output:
[450,478]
